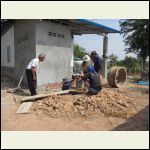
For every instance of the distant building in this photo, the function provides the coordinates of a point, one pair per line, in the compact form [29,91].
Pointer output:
[77,67]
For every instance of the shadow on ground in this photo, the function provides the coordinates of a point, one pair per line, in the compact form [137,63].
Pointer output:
[139,122]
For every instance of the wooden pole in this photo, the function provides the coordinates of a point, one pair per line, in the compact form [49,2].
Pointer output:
[35,97]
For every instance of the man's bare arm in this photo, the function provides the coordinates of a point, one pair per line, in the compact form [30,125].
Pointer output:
[33,70]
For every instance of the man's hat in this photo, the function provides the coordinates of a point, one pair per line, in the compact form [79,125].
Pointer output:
[86,58]
[93,53]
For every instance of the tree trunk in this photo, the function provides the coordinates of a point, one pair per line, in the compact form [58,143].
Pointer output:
[144,62]
[143,66]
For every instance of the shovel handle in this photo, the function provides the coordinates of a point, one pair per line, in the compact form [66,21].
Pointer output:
[20,80]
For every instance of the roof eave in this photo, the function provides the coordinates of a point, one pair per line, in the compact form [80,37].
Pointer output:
[110,30]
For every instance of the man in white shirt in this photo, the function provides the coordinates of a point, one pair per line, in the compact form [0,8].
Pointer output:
[31,73]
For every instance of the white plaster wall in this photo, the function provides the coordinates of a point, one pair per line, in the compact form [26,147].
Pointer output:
[24,46]
[56,66]
[42,37]
[59,52]
[8,40]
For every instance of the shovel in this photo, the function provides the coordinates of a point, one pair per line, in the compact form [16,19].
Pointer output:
[18,88]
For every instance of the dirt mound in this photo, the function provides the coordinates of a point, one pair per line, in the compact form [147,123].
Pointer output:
[111,102]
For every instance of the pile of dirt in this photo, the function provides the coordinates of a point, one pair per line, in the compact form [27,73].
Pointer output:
[54,85]
[111,102]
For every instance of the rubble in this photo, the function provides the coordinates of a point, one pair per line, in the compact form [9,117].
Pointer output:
[110,101]
[54,85]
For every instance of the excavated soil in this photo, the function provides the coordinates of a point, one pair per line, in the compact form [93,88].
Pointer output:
[45,114]
[110,101]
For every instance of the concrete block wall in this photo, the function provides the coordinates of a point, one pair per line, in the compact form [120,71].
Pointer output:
[25,49]
[31,37]
[7,39]
[58,50]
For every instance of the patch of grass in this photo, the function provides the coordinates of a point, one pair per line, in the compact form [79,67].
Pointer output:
[133,79]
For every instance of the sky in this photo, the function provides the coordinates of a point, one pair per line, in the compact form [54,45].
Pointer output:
[95,42]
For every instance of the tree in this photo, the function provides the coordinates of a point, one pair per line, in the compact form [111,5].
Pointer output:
[131,64]
[79,52]
[136,34]
[112,60]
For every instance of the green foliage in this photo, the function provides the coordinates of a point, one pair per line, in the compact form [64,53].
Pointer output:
[112,60]
[136,34]
[133,65]
[79,52]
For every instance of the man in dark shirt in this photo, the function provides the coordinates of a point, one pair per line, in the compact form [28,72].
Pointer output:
[94,80]
[97,62]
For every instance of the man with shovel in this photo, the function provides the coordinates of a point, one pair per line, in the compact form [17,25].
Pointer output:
[31,73]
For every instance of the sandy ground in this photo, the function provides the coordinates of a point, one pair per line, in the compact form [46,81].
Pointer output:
[34,122]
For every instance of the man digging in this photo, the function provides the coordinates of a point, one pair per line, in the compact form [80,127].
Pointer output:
[31,73]
[94,81]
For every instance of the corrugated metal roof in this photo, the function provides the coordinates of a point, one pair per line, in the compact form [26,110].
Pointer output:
[84,26]
[100,26]
[79,26]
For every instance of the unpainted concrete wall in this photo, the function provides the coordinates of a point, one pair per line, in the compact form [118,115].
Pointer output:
[56,66]
[59,52]
[42,34]
[7,39]
[8,71]
[24,46]
[31,38]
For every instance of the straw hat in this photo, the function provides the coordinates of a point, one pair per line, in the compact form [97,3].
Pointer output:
[86,58]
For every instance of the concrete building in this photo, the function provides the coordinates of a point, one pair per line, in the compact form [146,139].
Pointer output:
[23,40]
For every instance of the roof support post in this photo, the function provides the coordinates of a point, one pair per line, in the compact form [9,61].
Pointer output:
[105,55]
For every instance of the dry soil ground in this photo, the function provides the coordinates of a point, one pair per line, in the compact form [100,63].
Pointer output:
[100,120]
